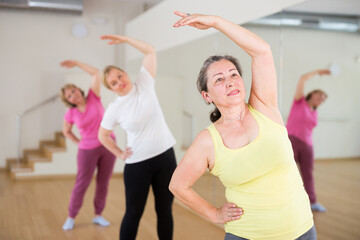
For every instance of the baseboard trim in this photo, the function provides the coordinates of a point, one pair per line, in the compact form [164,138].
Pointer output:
[337,159]
[57,177]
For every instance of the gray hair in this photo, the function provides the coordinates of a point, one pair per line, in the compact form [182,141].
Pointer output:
[203,78]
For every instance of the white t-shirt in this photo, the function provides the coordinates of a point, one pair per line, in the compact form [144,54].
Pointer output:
[140,115]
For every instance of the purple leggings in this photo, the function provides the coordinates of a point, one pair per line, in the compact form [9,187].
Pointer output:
[87,161]
[304,156]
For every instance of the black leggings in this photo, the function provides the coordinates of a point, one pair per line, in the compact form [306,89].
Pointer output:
[309,235]
[138,177]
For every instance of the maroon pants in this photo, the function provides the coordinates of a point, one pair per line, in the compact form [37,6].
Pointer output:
[87,161]
[304,156]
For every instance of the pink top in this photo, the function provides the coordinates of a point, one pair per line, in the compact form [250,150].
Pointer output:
[88,122]
[301,121]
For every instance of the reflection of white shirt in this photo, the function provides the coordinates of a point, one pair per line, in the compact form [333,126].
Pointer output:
[139,114]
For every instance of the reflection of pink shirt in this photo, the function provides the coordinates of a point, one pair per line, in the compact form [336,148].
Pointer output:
[87,122]
[301,121]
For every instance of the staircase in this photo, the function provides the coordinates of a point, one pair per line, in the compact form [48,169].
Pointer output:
[36,156]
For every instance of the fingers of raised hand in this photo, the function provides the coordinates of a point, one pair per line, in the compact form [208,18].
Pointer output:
[114,39]
[181,14]
[67,63]
[186,17]
[109,36]
[324,72]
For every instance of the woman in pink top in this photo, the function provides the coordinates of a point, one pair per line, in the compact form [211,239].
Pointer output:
[86,113]
[301,121]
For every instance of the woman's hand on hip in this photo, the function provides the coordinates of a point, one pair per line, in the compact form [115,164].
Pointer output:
[125,154]
[229,212]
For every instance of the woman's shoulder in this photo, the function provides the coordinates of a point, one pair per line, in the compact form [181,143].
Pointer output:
[92,95]
[144,77]
[300,100]
[266,113]
[70,111]
[204,139]
[116,103]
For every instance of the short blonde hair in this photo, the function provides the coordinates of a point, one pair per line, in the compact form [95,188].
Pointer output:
[62,94]
[106,73]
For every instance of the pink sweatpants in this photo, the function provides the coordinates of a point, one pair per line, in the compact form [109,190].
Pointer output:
[87,161]
[304,156]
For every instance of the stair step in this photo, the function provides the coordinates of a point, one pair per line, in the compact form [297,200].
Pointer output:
[30,151]
[20,167]
[62,141]
[37,157]
[32,156]
[10,161]
[54,148]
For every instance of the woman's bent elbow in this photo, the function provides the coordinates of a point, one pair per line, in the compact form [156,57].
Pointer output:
[173,187]
[101,138]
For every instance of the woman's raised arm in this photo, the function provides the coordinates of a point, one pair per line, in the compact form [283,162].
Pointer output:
[94,72]
[300,86]
[264,85]
[149,60]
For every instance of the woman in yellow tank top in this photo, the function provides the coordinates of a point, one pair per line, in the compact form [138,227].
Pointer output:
[247,146]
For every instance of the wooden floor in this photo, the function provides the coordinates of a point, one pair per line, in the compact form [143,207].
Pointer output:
[37,209]
[338,189]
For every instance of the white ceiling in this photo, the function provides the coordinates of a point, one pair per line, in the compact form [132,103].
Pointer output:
[338,7]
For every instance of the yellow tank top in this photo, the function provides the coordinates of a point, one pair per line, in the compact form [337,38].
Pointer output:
[263,179]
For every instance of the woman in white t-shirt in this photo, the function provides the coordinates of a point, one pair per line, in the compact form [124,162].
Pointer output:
[149,157]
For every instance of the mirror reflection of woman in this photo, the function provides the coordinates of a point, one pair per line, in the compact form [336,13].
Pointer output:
[86,113]
[301,121]
[149,157]
[247,146]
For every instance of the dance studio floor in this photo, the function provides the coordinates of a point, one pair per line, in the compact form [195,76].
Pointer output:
[37,209]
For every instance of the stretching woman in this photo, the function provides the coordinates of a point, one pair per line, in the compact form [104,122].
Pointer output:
[86,113]
[247,146]
[149,157]
[301,121]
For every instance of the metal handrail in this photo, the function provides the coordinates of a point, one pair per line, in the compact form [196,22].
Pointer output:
[19,121]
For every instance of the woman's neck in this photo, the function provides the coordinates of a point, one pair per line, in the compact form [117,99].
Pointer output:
[236,113]
[82,105]
[311,105]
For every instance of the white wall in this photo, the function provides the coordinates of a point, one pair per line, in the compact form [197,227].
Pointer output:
[32,45]
[34,42]
[338,130]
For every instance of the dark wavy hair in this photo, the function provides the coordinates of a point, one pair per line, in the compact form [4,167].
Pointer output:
[203,78]
[309,95]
